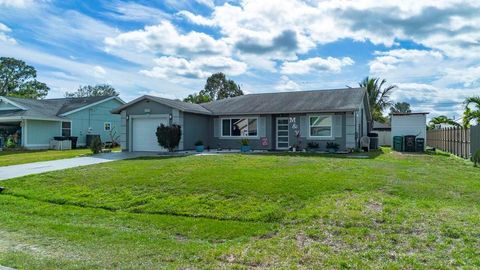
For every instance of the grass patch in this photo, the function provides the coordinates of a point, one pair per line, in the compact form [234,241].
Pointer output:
[21,157]
[246,211]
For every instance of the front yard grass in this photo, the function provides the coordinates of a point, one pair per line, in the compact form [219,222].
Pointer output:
[27,156]
[246,211]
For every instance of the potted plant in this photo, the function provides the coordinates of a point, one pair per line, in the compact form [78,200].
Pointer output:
[313,146]
[332,147]
[294,148]
[244,145]
[199,146]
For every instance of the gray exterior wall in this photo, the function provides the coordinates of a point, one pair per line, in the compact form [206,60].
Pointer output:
[264,129]
[195,127]
[267,128]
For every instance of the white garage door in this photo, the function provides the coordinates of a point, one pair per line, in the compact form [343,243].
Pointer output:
[143,134]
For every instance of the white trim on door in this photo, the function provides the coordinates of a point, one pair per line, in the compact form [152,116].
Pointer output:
[283,146]
[142,116]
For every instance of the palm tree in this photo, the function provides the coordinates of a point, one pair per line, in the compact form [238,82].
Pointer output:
[470,114]
[442,119]
[400,107]
[378,95]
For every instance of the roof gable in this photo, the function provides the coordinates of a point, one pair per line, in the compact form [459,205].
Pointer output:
[51,109]
[73,105]
[176,104]
[8,105]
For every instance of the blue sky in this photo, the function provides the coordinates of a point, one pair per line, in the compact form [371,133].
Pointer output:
[430,49]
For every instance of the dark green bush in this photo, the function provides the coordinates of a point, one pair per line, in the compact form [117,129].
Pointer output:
[96,145]
[313,145]
[333,145]
[169,136]
[476,158]
[198,143]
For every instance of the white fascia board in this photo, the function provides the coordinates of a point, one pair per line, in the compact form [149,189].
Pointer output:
[13,103]
[93,104]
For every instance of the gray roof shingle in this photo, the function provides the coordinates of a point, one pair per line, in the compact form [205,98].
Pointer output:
[48,108]
[182,106]
[348,99]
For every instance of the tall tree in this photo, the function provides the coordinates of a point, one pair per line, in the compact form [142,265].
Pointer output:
[469,113]
[379,96]
[400,107]
[442,119]
[197,98]
[19,79]
[219,87]
[93,91]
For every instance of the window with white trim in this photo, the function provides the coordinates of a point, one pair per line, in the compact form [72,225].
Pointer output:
[239,127]
[320,126]
[107,126]
[66,129]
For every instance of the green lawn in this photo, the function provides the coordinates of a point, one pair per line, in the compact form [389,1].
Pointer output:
[391,211]
[20,157]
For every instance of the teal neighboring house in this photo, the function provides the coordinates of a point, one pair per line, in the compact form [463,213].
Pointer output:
[33,124]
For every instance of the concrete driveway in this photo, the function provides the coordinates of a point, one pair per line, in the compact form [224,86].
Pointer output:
[8,172]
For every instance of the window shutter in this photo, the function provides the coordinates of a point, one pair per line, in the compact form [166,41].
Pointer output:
[337,126]
[262,127]
[216,127]
[304,127]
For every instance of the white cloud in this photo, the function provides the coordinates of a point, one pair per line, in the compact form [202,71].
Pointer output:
[196,19]
[4,28]
[208,3]
[450,26]
[165,39]
[316,64]
[16,3]
[99,72]
[390,60]
[131,11]
[3,35]
[175,67]
[285,84]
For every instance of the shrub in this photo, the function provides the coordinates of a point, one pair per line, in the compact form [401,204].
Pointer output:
[169,136]
[198,143]
[10,143]
[476,158]
[244,142]
[333,145]
[313,145]
[96,145]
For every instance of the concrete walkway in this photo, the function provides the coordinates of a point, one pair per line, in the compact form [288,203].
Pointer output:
[8,172]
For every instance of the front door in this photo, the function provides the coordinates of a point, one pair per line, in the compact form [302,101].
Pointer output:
[282,133]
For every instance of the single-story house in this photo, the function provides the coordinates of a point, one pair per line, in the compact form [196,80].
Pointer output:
[34,123]
[271,121]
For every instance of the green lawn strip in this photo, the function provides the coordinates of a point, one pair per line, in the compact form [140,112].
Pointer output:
[235,187]
[371,230]
[391,211]
[263,188]
[8,158]
[104,238]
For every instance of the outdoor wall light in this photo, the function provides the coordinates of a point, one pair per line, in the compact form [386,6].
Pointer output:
[170,116]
